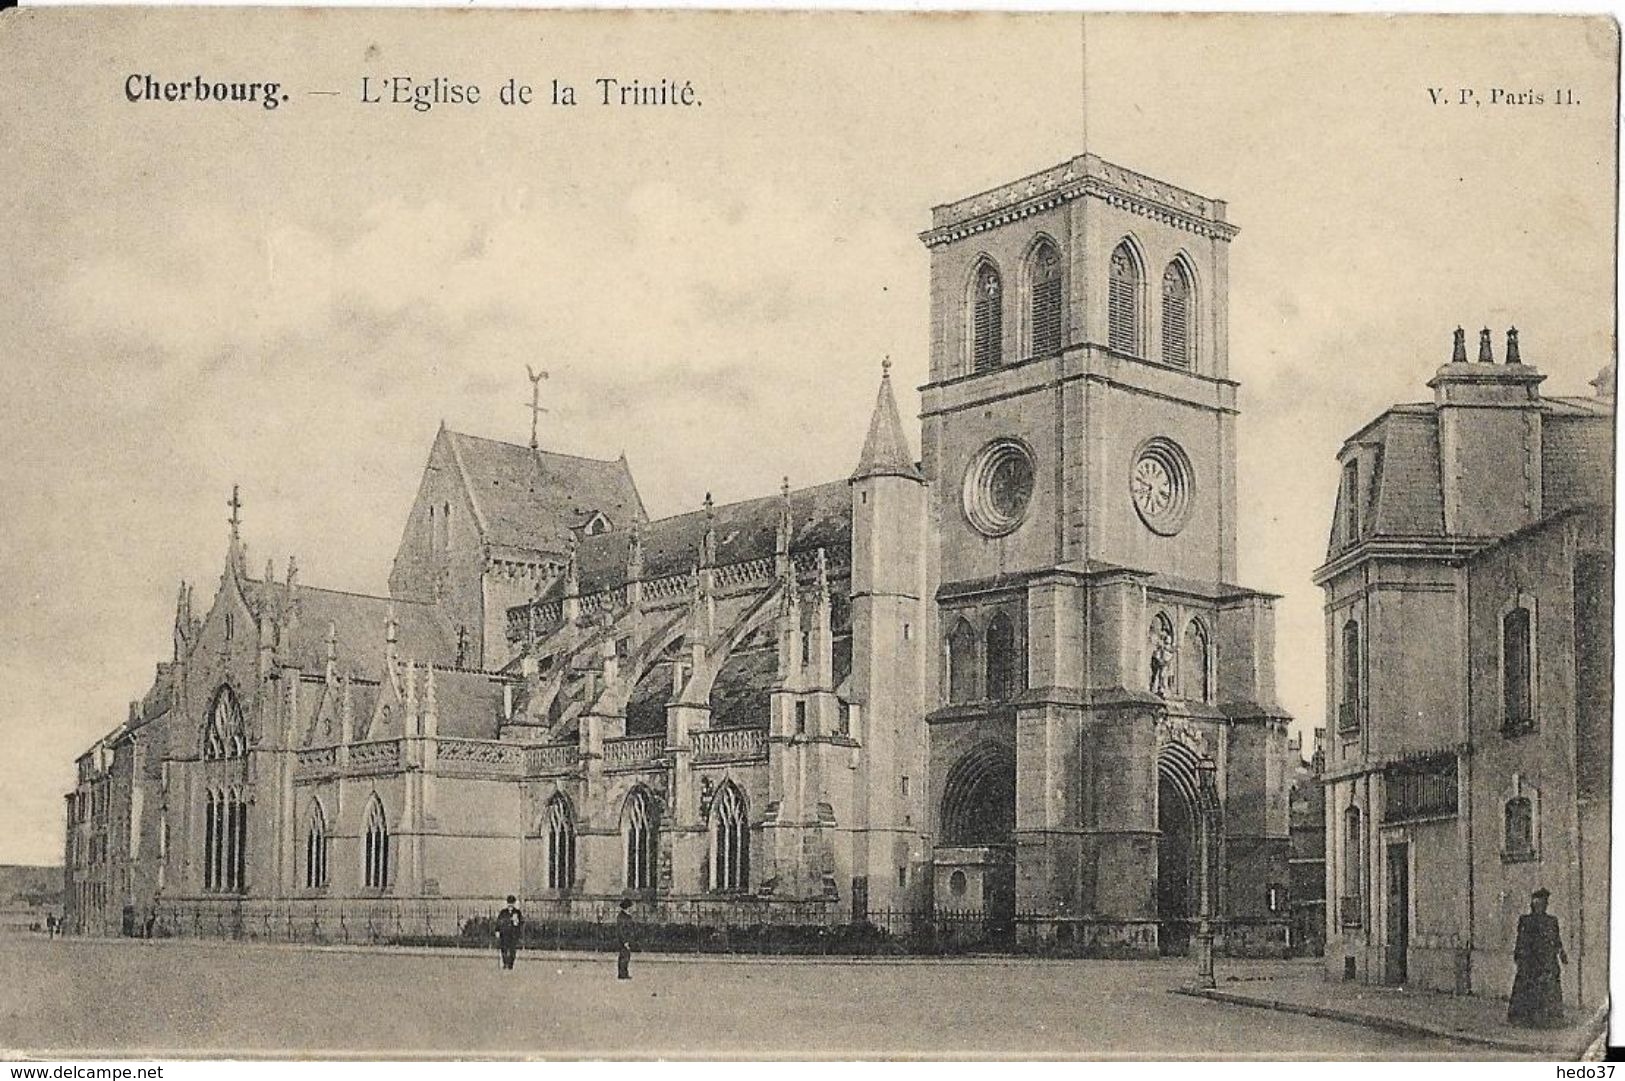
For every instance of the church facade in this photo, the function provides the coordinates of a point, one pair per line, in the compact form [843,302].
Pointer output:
[1010,677]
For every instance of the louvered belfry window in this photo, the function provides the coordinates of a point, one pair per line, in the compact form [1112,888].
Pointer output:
[1176,316]
[1046,313]
[987,329]
[1123,303]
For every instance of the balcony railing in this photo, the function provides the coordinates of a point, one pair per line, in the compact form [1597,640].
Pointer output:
[632,752]
[375,755]
[730,745]
[552,758]
[480,756]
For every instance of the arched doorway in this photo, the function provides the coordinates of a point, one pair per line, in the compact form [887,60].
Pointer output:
[1176,866]
[978,832]
[1186,808]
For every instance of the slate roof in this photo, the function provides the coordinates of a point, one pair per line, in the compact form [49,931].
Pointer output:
[423,633]
[532,499]
[1408,500]
[468,704]
[885,448]
[820,517]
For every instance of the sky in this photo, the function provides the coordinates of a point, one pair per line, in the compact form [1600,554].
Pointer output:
[292,300]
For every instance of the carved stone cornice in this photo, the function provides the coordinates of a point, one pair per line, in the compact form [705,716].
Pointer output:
[1086,175]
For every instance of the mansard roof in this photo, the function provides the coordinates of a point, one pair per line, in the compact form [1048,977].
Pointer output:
[820,517]
[526,498]
[1403,496]
[423,633]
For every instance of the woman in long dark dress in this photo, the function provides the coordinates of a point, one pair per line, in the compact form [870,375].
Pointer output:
[1537,989]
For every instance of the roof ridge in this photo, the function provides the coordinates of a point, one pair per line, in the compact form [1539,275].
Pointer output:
[534,450]
[735,503]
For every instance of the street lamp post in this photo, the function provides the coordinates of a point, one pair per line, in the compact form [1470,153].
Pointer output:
[1204,910]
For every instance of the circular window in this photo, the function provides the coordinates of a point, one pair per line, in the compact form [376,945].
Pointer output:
[956,883]
[998,487]
[1161,483]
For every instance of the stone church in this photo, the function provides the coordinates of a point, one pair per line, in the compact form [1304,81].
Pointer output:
[1011,676]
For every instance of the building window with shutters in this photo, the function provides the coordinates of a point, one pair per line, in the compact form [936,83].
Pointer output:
[1123,322]
[1046,327]
[1520,830]
[1178,299]
[1353,867]
[987,318]
[1517,669]
[1348,709]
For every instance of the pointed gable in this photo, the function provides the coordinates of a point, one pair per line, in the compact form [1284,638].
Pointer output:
[534,499]
[885,449]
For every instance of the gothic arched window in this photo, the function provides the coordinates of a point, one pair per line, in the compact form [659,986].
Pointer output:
[730,841]
[225,841]
[1123,301]
[1047,304]
[1177,297]
[962,662]
[1194,661]
[638,839]
[316,849]
[375,866]
[561,843]
[223,733]
[987,319]
[1003,664]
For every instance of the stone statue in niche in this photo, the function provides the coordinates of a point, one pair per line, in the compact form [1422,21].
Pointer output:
[1162,657]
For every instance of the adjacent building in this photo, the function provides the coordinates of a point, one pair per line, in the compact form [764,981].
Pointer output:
[1306,808]
[1012,675]
[1469,630]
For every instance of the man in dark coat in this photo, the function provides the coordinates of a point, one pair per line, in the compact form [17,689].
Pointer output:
[623,934]
[1537,990]
[509,920]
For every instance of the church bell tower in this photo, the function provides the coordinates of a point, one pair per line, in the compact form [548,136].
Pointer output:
[1079,437]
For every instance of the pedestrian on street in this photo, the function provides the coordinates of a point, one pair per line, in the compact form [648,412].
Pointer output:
[1537,989]
[50,924]
[623,932]
[509,921]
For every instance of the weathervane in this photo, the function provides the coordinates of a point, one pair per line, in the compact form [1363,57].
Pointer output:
[536,409]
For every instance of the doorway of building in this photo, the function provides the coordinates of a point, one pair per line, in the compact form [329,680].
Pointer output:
[1176,868]
[1398,938]
[979,812]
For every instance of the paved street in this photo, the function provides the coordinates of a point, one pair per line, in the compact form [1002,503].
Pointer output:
[183,998]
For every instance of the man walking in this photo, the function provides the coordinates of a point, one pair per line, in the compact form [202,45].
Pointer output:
[623,933]
[509,921]
[1537,989]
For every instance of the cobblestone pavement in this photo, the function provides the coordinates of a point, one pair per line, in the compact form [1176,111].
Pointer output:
[179,998]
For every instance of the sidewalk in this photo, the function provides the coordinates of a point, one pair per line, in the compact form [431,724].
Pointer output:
[1471,1019]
